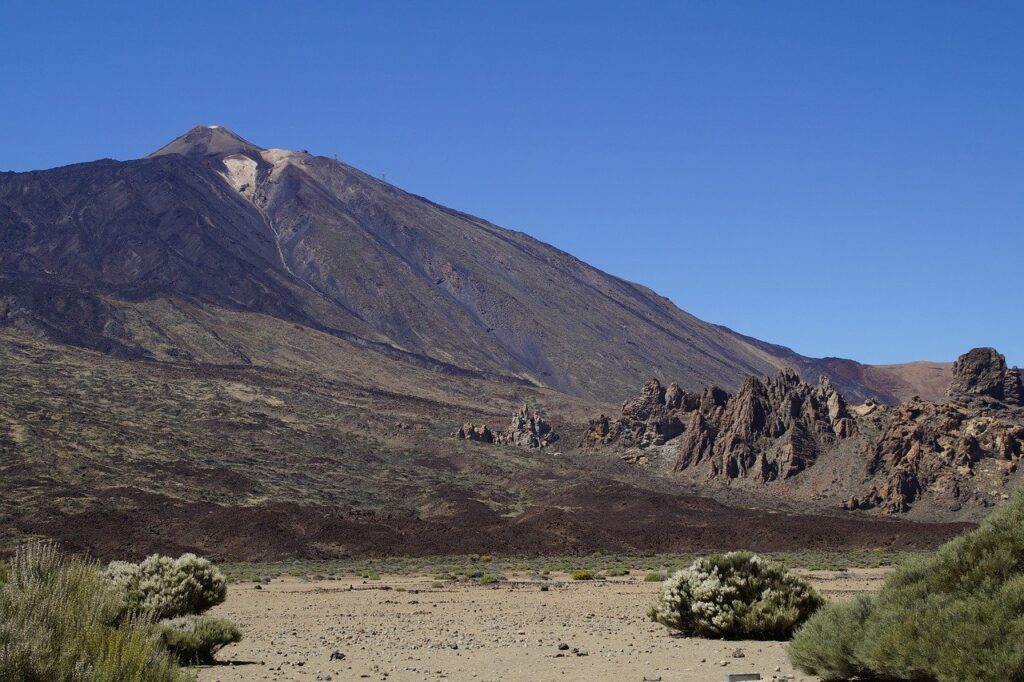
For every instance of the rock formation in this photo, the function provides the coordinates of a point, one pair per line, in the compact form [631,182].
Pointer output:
[982,374]
[475,432]
[528,430]
[938,447]
[773,428]
[954,452]
[654,417]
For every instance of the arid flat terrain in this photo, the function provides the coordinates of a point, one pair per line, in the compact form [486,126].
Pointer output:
[407,628]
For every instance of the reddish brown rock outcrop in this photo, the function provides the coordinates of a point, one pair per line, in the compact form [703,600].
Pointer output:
[773,428]
[656,416]
[938,447]
[982,373]
[527,430]
[957,452]
[475,432]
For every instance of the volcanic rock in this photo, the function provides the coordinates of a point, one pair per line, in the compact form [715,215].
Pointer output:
[654,417]
[982,372]
[938,447]
[773,428]
[527,430]
[475,432]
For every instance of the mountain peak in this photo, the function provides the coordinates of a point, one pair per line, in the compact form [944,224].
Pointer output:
[212,139]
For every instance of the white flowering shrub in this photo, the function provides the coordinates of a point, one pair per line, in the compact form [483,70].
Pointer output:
[737,595]
[195,639]
[163,587]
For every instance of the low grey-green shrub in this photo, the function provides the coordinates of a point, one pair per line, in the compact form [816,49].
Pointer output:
[166,588]
[955,617]
[61,621]
[195,639]
[735,596]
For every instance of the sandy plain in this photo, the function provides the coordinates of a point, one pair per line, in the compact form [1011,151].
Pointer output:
[403,629]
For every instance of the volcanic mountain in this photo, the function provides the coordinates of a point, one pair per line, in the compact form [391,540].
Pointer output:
[146,258]
[262,353]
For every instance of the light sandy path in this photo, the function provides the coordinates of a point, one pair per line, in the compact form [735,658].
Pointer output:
[510,632]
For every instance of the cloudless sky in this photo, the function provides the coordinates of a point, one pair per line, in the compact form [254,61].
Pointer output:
[845,178]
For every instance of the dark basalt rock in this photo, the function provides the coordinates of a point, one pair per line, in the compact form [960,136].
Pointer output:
[982,372]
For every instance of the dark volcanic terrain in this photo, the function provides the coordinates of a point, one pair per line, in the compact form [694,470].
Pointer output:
[120,458]
[260,353]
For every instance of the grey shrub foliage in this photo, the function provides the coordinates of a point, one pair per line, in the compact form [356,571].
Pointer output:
[163,587]
[195,639]
[737,595]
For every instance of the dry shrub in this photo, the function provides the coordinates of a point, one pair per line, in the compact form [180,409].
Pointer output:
[62,621]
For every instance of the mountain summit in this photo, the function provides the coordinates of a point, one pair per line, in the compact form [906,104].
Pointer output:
[103,254]
[203,140]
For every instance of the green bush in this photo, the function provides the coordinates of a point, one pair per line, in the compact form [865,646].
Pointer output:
[584,574]
[735,596]
[61,621]
[617,571]
[946,618]
[166,588]
[195,639]
[654,577]
[825,643]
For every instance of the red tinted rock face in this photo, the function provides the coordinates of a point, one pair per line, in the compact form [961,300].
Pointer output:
[774,427]
[937,447]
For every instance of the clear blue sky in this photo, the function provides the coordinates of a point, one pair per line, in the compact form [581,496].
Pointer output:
[845,178]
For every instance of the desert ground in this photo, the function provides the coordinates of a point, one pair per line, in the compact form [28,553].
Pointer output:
[402,628]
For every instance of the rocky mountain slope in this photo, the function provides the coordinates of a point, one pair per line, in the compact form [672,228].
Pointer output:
[107,255]
[783,433]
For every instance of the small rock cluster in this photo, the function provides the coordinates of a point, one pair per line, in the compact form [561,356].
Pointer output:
[527,430]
